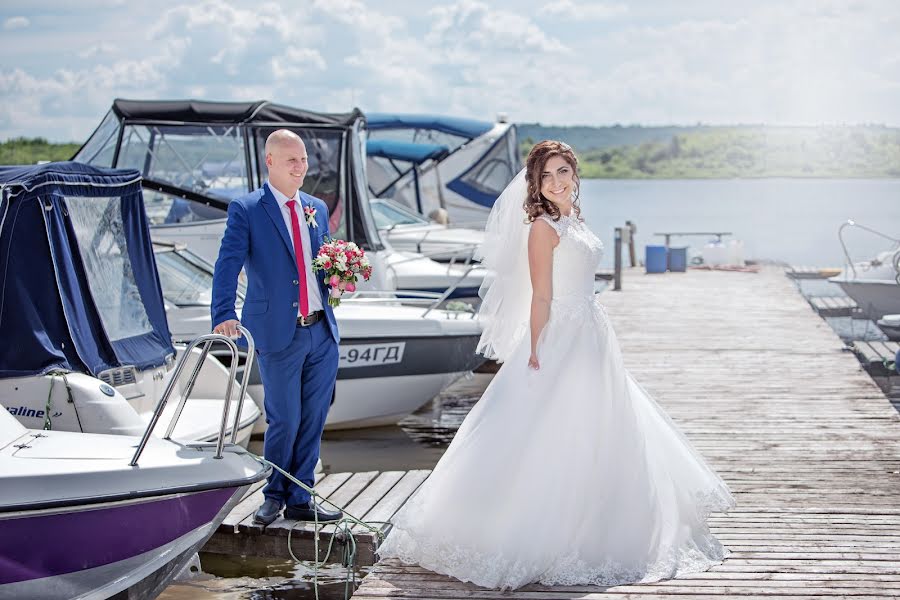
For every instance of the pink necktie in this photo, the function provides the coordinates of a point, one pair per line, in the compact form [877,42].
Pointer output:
[298,252]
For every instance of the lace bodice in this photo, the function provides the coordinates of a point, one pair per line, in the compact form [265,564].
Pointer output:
[575,258]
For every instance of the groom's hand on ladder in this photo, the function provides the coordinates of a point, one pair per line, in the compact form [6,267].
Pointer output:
[228,328]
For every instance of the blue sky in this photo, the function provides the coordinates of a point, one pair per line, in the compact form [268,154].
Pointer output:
[555,62]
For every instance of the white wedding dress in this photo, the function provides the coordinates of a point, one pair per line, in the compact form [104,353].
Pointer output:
[570,474]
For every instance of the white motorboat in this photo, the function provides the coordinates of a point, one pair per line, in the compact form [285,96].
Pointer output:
[394,356]
[874,284]
[87,515]
[408,231]
[433,163]
[81,295]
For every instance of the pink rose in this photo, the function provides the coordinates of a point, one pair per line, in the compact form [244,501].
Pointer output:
[335,280]
[351,287]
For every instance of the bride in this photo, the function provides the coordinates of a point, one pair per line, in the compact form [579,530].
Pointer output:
[566,471]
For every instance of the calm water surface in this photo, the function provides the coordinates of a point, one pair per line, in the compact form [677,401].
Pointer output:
[789,220]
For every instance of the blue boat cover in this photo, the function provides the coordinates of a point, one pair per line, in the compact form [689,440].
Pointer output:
[406,151]
[79,289]
[469,128]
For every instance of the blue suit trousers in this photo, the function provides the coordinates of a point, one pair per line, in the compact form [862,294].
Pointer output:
[299,384]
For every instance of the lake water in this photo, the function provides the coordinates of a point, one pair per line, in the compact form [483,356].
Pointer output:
[789,220]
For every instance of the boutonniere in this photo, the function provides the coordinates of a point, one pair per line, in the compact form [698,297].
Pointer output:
[310,214]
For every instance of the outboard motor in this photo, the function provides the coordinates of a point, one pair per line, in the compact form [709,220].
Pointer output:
[66,401]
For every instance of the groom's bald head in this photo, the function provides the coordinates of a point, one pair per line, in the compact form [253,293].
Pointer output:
[280,139]
[286,160]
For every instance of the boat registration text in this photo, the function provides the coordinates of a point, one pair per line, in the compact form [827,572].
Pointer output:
[365,355]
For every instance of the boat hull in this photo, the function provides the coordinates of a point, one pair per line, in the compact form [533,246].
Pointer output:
[395,377]
[126,549]
[874,298]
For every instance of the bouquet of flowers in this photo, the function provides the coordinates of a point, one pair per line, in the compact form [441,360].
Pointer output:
[343,264]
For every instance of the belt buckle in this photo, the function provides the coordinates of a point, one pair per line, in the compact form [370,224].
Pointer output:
[304,321]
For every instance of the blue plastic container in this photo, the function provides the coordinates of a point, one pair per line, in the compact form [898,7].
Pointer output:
[655,259]
[678,259]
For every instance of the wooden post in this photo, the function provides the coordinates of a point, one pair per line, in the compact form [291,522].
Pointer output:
[632,229]
[617,281]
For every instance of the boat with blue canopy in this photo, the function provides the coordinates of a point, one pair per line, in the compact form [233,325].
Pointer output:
[81,295]
[481,158]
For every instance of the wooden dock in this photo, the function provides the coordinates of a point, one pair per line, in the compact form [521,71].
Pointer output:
[372,496]
[875,356]
[833,306]
[806,440]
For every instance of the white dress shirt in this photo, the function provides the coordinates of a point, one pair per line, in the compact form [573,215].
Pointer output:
[313,295]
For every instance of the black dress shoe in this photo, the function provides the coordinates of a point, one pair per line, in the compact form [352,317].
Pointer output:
[267,513]
[308,512]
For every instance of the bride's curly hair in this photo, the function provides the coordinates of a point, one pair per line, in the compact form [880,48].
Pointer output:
[535,203]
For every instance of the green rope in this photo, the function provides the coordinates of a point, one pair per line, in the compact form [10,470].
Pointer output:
[342,532]
[48,424]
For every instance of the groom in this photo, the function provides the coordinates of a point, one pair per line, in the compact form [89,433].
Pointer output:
[275,232]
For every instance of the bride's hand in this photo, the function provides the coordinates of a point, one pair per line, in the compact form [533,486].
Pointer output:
[533,362]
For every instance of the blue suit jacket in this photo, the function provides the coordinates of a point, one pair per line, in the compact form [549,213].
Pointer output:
[257,238]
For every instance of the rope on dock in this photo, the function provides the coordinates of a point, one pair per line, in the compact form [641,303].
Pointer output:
[342,532]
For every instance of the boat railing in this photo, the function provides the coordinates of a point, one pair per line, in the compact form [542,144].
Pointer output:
[452,288]
[849,261]
[204,343]
[458,253]
[394,296]
[455,249]
[430,300]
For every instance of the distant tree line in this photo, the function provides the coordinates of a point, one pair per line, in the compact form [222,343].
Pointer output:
[637,152]
[28,151]
[724,152]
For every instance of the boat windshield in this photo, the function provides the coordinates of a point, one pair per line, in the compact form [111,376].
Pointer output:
[485,180]
[167,209]
[186,279]
[205,159]
[389,214]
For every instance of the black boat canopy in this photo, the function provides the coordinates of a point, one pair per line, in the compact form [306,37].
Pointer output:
[202,111]
[195,156]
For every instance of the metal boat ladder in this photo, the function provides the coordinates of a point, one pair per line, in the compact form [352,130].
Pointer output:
[205,342]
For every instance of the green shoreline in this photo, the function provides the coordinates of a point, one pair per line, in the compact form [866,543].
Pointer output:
[698,152]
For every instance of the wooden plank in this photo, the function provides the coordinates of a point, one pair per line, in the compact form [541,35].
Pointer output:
[833,306]
[805,272]
[370,496]
[396,498]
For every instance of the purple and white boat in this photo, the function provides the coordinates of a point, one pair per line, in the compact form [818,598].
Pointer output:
[88,509]
[78,521]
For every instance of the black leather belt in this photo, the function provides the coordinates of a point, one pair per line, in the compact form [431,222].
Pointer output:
[311,318]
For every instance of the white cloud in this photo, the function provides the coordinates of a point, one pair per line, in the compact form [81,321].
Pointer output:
[296,62]
[567,9]
[103,48]
[16,23]
[572,61]
[469,27]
